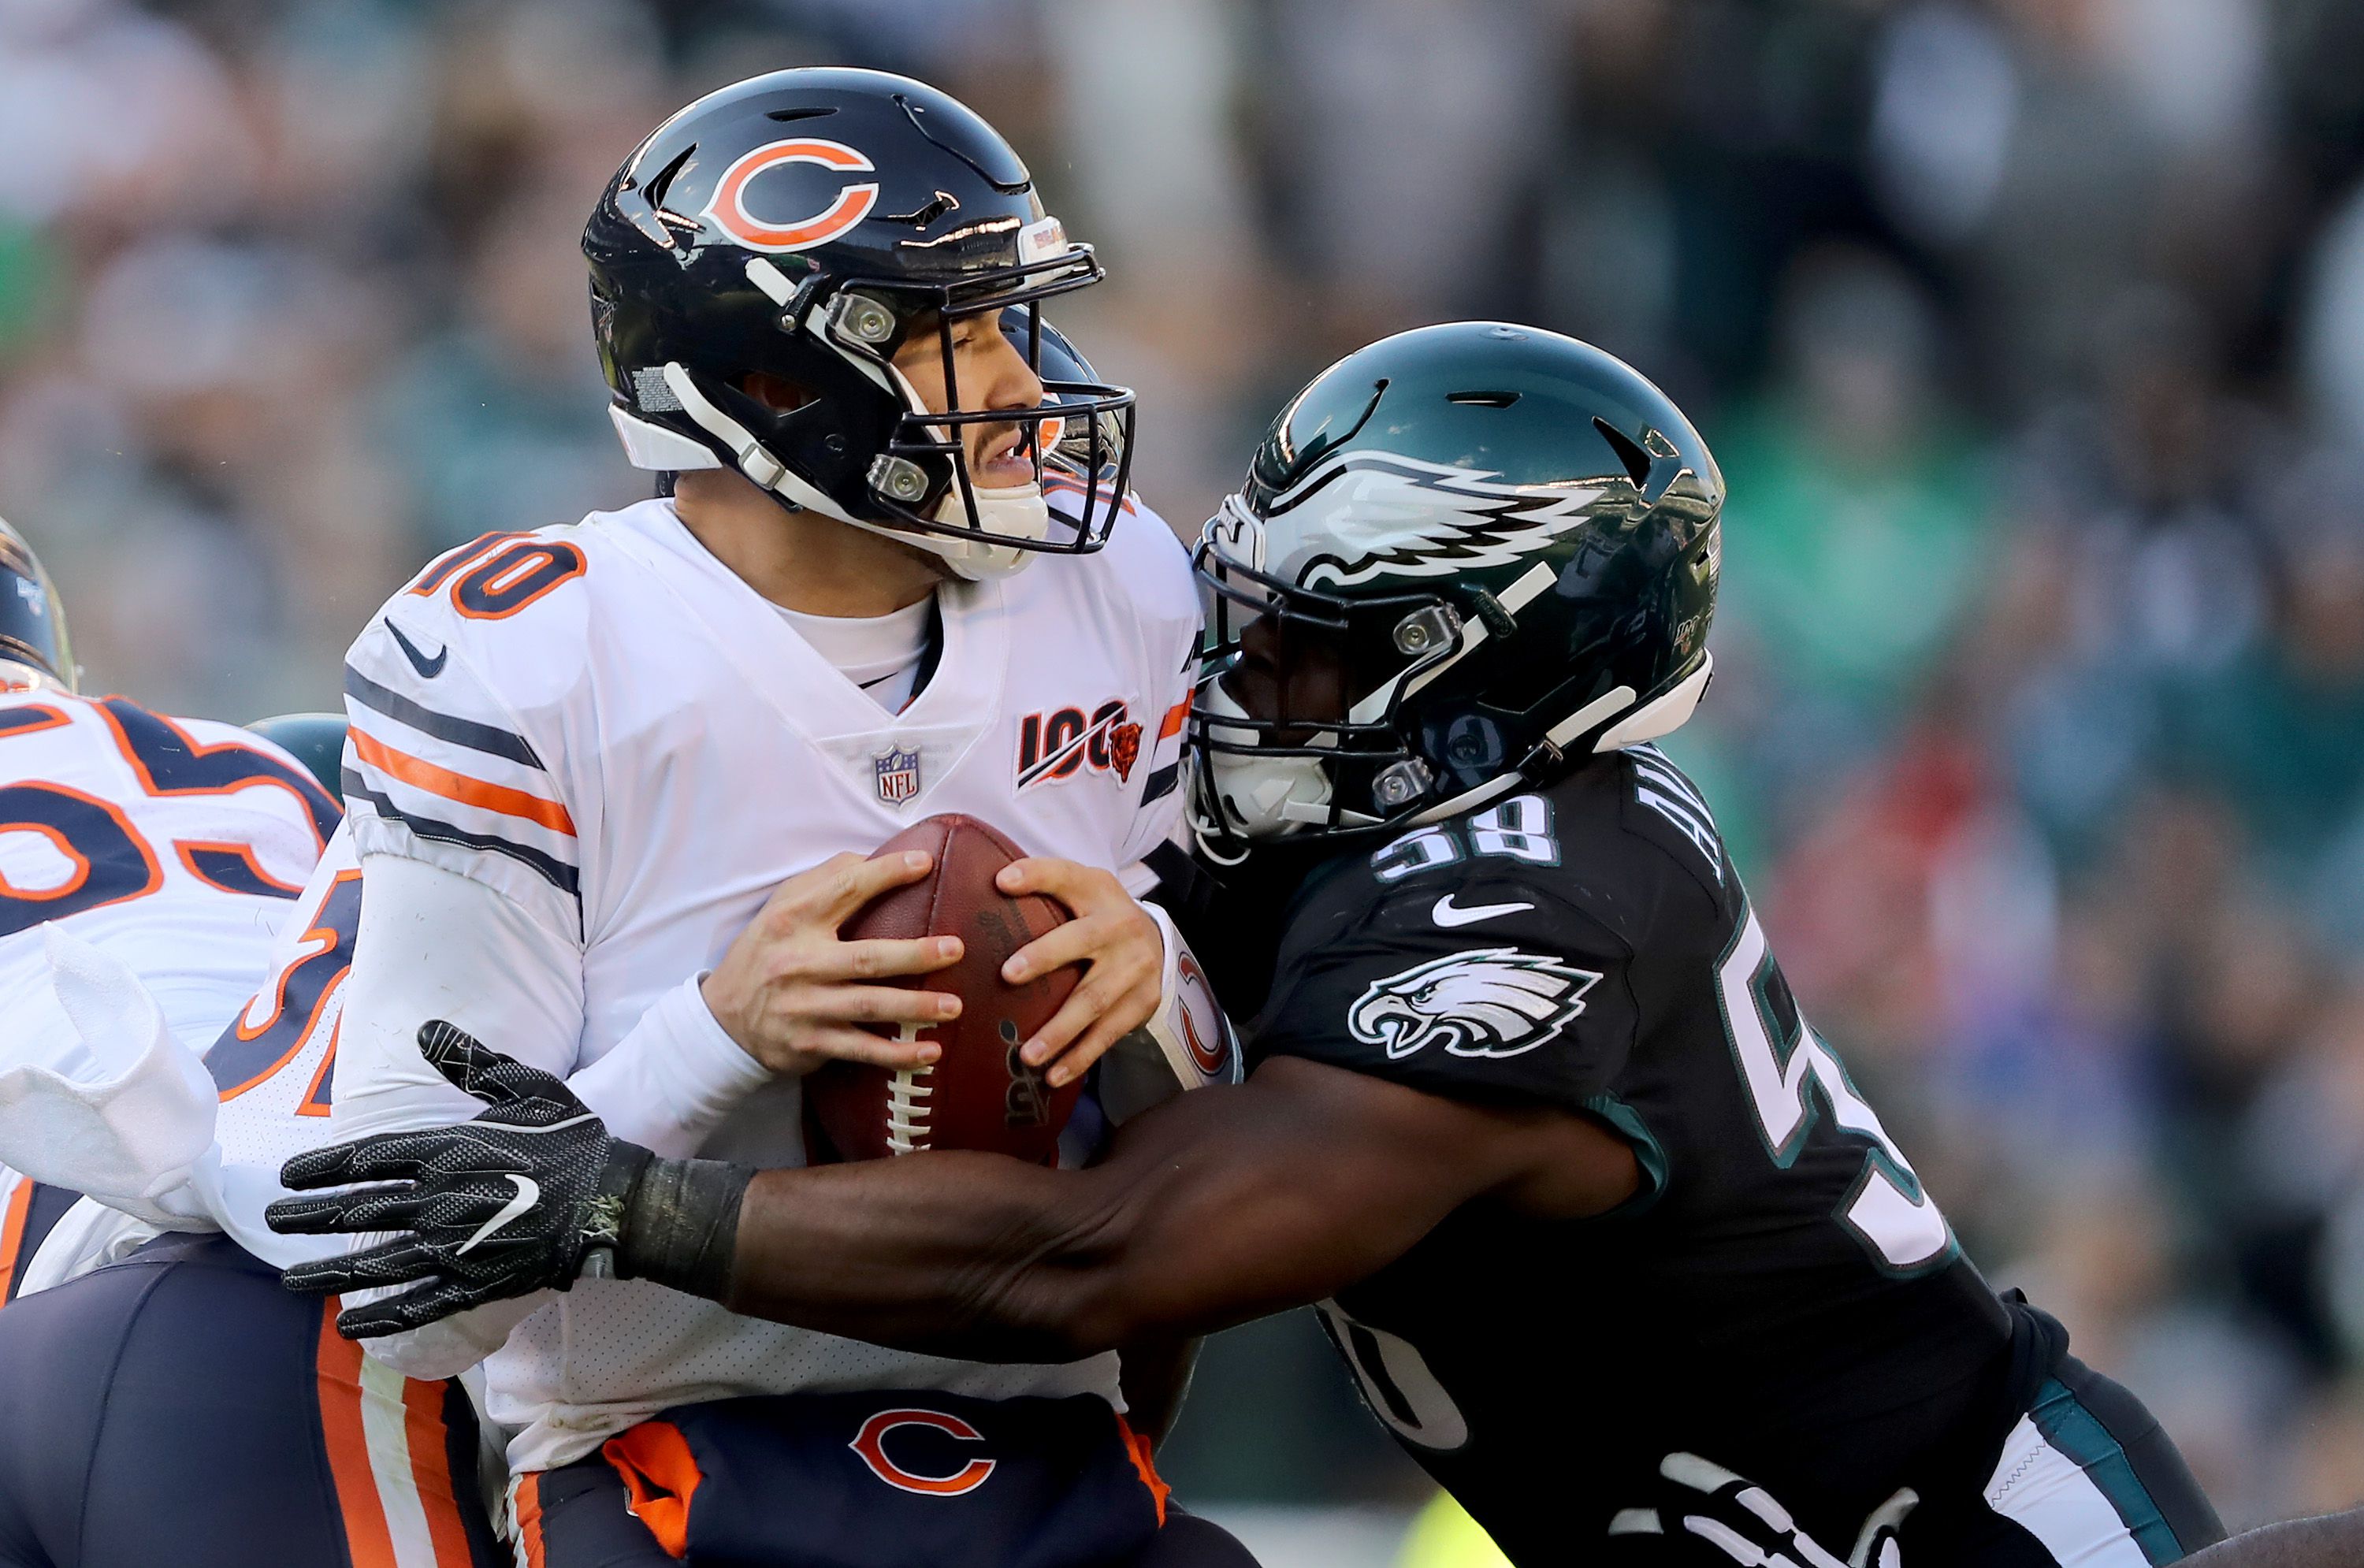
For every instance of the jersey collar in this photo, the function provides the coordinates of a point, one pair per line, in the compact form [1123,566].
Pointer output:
[837,717]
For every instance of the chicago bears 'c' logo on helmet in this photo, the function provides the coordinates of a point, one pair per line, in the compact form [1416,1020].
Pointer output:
[1487,1002]
[849,206]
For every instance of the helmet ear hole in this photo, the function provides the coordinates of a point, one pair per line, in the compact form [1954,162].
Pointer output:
[776,392]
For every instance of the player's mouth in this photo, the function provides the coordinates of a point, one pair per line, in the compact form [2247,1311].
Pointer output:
[1001,458]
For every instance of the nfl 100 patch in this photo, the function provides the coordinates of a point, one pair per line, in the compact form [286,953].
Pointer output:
[1070,742]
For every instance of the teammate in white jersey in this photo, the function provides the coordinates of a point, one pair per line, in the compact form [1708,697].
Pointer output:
[612,783]
[174,845]
[169,1401]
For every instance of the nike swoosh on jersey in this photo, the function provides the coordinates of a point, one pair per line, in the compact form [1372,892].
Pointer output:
[529,1193]
[1448,915]
[428,668]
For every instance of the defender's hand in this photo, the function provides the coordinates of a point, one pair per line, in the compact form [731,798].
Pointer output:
[792,994]
[520,1199]
[1707,1502]
[1120,946]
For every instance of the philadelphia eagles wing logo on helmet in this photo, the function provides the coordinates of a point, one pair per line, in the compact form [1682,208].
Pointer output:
[1487,1002]
[1367,514]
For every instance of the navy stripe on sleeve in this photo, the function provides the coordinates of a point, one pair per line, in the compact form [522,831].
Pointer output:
[442,726]
[556,871]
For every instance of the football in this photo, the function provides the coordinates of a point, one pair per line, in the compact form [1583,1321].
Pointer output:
[978,1095]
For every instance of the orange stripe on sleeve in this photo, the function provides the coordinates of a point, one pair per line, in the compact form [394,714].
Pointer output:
[527,1510]
[431,1470]
[339,1381]
[1172,724]
[426,775]
[12,1235]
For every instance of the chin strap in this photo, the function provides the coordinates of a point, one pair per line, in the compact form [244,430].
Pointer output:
[1015,512]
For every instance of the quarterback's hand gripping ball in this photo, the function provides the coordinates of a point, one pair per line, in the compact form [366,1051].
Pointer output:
[1707,1514]
[527,1196]
[978,1093]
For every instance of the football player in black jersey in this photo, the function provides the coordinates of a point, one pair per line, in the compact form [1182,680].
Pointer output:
[1533,1118]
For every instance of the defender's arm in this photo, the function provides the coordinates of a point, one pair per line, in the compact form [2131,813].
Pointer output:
[1212,1210]
[1219,1208]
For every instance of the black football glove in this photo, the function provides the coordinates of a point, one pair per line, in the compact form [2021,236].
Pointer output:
[1720,1509]
[532,1194]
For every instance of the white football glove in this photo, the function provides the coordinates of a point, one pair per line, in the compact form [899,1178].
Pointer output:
[1742,1522]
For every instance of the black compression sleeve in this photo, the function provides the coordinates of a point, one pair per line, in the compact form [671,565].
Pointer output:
[681,1228]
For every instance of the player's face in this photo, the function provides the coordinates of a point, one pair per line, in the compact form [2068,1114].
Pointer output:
[1288,674]
[988,372]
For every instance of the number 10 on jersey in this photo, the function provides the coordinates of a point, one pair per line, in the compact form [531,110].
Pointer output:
[1888,1210]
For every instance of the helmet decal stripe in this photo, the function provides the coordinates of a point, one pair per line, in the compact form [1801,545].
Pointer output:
[1365,514]
[728,206]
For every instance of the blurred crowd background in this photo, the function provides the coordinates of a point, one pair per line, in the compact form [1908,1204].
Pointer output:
[2030,333]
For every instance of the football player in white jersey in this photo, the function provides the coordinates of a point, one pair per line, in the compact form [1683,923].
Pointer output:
[168,1400]
[611,784]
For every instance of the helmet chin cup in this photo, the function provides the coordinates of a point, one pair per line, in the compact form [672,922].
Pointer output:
[1019,511]
[1262,796]
[1003,522]
[1267,797]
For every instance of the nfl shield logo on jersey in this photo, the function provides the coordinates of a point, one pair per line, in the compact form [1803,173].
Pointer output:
[899,774]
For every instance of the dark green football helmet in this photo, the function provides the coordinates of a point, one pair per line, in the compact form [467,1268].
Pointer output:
[1464,556]
[315,740]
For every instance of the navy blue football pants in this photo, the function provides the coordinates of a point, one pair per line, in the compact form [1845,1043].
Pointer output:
[898,1479]
[183,1408]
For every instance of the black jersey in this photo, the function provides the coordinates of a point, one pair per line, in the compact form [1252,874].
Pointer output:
[1781,1295]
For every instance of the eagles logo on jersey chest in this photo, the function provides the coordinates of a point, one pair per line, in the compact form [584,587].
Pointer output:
[1067,741]
[1485,1001]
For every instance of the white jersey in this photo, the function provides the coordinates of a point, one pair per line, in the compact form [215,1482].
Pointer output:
[274,1060]
[605,724]
[177,846]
